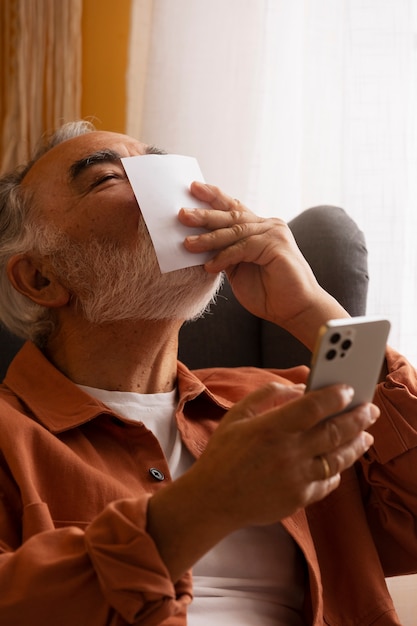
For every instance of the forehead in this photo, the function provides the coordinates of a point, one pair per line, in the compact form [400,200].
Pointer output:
[55,165]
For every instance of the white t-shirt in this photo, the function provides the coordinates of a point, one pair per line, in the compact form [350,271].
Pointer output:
[255,576]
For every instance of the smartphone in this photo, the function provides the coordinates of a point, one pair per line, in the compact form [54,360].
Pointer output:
[350,351]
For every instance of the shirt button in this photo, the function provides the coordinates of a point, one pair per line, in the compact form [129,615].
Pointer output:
[156,473]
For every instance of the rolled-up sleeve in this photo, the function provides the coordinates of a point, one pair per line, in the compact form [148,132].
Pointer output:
[110,573]
[389,469]
[131,573]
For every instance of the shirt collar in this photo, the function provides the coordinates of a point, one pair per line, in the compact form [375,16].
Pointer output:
[59,404]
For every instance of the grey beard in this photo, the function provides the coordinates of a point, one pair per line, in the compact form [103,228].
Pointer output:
[110,283]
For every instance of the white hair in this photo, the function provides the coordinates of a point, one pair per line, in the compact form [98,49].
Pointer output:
[19,233]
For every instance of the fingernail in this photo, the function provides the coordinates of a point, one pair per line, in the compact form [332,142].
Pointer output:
[193,216]
[348,392]
[373,413]
[368,440]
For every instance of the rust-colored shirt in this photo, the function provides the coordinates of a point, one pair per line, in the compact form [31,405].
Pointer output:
[75,481]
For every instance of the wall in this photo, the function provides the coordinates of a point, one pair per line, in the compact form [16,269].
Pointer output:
[105,37]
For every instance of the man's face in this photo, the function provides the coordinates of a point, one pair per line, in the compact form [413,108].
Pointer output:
[103,254]
[80,187]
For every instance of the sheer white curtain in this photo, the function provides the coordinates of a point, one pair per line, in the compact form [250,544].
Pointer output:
[291,104]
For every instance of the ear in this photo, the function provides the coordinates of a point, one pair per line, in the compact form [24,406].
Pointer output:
[32,279]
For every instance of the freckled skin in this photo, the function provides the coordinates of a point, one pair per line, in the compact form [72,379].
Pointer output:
[109,209]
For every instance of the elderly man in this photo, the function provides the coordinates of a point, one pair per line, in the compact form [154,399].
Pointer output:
[120,469]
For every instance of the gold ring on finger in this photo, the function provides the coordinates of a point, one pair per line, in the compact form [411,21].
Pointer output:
[326,467]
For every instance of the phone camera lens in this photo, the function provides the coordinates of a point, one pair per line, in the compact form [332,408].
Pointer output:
[346,344]
[330,355]
[335,338]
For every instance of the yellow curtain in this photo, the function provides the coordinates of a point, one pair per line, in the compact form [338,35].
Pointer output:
[40,72]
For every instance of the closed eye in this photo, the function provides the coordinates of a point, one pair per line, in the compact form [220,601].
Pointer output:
[104,178]
[95,170]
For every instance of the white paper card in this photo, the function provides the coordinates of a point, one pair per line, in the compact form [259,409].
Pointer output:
[161,185]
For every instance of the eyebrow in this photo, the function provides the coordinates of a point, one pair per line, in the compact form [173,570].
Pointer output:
[102,156]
